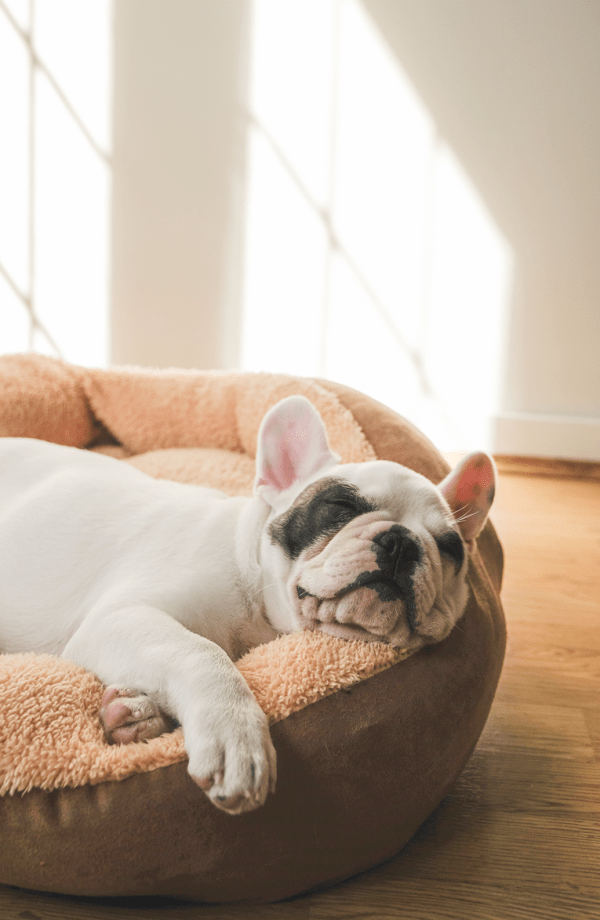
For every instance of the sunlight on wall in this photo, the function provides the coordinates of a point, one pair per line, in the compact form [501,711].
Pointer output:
[55,97]
[370,258]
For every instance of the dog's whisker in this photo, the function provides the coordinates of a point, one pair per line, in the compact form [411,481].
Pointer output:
[465,516]
[264,588]
[454,515]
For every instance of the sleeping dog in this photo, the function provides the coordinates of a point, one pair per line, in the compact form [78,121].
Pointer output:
[157,587]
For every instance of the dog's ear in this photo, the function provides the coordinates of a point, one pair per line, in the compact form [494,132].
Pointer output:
[292,447]
[469,490]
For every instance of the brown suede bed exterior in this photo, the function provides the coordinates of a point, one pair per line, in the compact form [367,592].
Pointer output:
[359,771]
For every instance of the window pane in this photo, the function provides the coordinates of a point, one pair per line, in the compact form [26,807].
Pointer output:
[19,10]
[14,321]
[291,84]
[71,243]
[363,350]
[384,148]
[285,264]
[468,294]
[73,39]
[366,352]
[14,155]
[42,345]
[409,303]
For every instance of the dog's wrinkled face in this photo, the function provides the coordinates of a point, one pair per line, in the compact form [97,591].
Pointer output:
[374,554]
[373,550]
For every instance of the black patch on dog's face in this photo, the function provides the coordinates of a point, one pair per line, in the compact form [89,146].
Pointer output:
[323,508]
[451,545]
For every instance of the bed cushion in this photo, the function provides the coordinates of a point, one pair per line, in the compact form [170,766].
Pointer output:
[367,747]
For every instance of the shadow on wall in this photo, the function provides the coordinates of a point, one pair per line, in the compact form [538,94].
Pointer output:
[513,88]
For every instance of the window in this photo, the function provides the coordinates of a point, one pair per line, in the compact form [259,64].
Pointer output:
[369,256]
[55,76]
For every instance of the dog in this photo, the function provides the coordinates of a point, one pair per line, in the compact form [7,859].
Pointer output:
[158,587]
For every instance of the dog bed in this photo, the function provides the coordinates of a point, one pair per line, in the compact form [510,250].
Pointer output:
[369,740]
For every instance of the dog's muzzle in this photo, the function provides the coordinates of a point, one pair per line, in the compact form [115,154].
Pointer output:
[397,554]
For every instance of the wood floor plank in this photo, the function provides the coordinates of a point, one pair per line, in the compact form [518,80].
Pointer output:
[545,784]
[539,686]
[409,899]
[542,731]
[16,904]
[583,665]
[545,639]
[527,851]
[592,721]
[554,469]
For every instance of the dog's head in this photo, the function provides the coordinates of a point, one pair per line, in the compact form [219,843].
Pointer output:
[369,550]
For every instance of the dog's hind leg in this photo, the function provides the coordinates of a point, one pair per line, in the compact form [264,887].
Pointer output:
[129,715]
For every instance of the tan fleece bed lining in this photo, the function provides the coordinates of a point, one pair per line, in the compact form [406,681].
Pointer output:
[174,425]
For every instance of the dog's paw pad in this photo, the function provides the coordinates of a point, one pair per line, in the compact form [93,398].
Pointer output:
[129,715]
[207,782]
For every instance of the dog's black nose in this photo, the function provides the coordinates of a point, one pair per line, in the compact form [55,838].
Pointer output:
[400,550]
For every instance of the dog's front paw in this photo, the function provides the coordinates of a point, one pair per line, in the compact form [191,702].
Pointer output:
[131,715]
[234,762]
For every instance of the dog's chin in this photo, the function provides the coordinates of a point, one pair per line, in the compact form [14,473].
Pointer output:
[357,614]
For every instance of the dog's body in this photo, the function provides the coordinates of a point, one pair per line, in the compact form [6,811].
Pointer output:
[157,586]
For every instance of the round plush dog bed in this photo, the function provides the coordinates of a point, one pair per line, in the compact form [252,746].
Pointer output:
[359,767]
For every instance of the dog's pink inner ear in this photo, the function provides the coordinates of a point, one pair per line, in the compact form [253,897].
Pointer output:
[469,490]
[292,447]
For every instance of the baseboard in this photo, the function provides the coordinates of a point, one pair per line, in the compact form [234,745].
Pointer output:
[583,470]
[558,436]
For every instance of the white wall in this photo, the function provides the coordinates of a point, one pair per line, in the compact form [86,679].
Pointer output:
[179,147]
[514,87]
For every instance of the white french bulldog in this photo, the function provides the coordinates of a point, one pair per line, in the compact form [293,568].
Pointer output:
[159,586]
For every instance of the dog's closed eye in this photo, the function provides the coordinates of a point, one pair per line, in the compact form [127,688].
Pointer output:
[321,509]
[342,504]
[340,510]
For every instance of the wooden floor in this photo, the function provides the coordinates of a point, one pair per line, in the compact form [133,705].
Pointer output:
[520,835]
